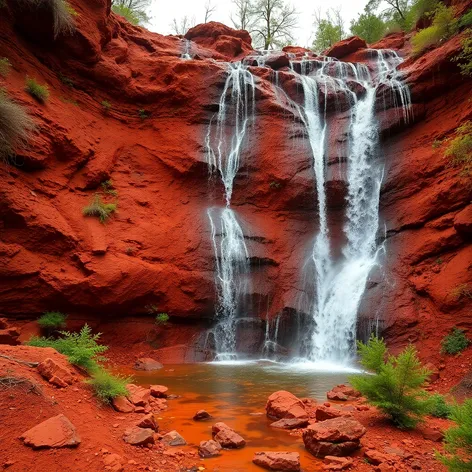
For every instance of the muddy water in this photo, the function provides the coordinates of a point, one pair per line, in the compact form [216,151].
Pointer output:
[236,395]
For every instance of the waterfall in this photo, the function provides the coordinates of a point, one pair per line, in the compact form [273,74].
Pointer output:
[187,50]
[341,284]
[224,142]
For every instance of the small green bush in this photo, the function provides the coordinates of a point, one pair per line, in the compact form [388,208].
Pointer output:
[459,149]
[52,320]
[444,25]
[461,291]
[464,58]
[16,127]
[396,385]
[439,407]
[108,386]
[143,114]
[466,19]
[37,91]
[82,348]
[106,106]
[98,208]
[108,187]
[458,440]
[162,318]
[136,16]
[5,66]
[453,343]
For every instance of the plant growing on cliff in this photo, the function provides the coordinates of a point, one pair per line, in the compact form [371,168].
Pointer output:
[106,106]
[453,343]
[143,114]
[16,127]
[62,13]
[37,91]
[396,383]
[161,318]
[99,209]
[444,26]
[108,187]
[439,407]
[5,66]
[52,321]
[458,440]
[135,11]
[464,58]
[108,386]
[459,149]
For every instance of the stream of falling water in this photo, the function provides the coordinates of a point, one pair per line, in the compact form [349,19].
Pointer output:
[224,142]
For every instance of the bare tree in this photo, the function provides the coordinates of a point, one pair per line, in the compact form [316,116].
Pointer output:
[181,26]
[209,10]
[243,17]
[275,23]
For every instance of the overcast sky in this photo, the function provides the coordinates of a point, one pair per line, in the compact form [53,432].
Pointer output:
[164,11]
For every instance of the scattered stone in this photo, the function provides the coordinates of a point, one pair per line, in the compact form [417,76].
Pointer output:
[227,437]
[336,463]
[147,364]
[335,437]
[149,421]
[159,391]
[280,461]
[343,393]
[394,451]
[55,432]
[415,465]
[375,457]
[201,415]
[139,436]
[173,438]
[432,434]
[9,335]
[324,413]
[113,463]
[283,404]
[138,396]
[290,423]
[363,408]
[209,449]
[122,404]
[55,373]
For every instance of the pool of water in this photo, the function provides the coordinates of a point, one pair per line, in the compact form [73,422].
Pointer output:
[236,393]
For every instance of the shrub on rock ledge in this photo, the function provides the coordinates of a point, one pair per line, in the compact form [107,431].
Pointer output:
[37,91]
[108,386]
[396,385]
[52,321]
[98,208]
[456,341]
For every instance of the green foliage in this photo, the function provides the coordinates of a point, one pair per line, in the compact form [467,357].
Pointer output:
[135,17]
[466,20]
[70,101]
[464,58]
[162,318]
[5,66]
[106,106]
[453,343]
[458,440]
[107,187]
[444,25]
[37,91]
[66,80]
[439,407]
[108,386]
[459,150]
[16,127]
[326,35]
[143,114]
[82,348]
[368,26]
[395,387]
[52,320]
[437,143]
[98,208]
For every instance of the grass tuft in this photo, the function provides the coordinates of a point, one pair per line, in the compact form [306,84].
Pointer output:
[98,208]
[37,91]
[162,318]
[439,407]
[108,386]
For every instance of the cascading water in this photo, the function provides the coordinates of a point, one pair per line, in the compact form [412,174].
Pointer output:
[224,142]
[340,284]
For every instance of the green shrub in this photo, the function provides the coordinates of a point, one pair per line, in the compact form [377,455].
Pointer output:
[107,187]
[464,58]
[52,320]
[461,291]
[466,20]
[82,348]
[162,318]
[458,440]
[395,387]
[136,16]
[62,13]
[108,386]
[444,25]
[459,149]
[98,208]
[37,91]
[453,343]
[16,127]
[106,106]
[439,407]
[143,114]
[5,66]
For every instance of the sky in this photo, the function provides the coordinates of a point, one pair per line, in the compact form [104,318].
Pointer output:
[163,12]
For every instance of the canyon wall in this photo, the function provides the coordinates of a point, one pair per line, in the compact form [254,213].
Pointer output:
[157,249]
